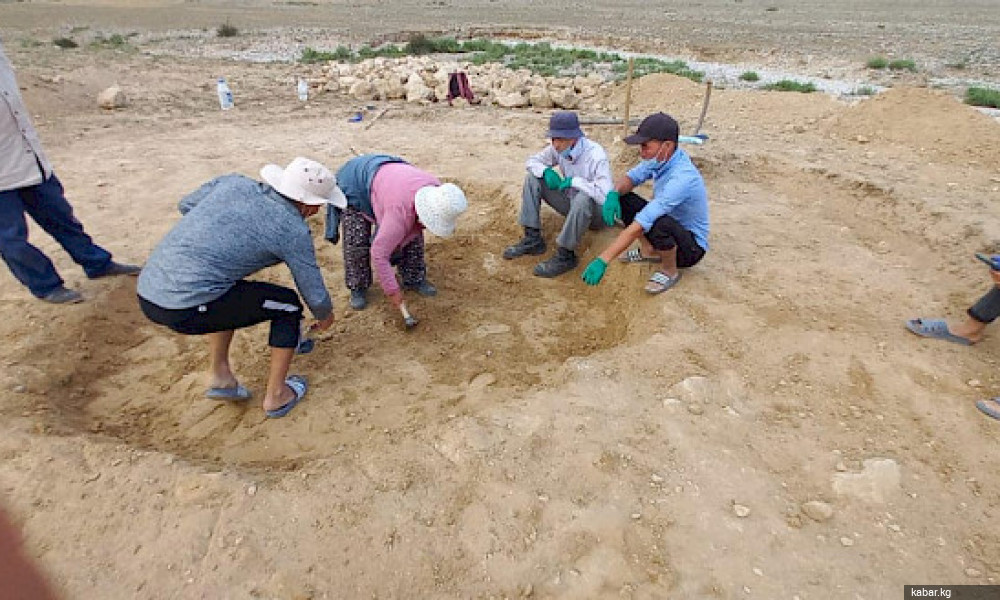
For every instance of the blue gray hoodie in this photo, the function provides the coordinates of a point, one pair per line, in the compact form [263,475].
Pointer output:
[232,227]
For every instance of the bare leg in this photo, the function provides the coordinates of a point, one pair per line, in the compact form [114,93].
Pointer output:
[645,247]
[970,329]
[668,259]
[278,394]
[220,373]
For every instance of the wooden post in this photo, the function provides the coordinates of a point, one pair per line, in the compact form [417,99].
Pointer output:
[628,95]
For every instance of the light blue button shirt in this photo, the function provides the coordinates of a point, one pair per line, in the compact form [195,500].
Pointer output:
[678,191]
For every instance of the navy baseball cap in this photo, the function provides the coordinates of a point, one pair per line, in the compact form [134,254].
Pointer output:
[564,124]
[659,126]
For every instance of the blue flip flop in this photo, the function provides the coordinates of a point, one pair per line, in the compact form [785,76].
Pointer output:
[936,328]
[238,393]
[299,386]
[989,407]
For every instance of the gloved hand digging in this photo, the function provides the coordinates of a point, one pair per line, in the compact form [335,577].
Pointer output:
[594,272]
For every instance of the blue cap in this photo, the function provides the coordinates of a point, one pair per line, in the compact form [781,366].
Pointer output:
[564,124]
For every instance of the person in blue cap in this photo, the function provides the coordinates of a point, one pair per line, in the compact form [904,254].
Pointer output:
[578,193]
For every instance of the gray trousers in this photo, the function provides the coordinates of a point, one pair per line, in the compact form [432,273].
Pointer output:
[987,309]
[580,210]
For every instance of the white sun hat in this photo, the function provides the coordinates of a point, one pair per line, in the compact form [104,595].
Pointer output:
[305,181]
[438,207]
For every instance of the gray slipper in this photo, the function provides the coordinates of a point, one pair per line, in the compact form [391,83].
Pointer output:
[989,407]
[660,282]
[635,256]
[936,328]
[238,393]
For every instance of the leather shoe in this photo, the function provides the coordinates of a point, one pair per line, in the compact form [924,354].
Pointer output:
[115,268]
[63,295]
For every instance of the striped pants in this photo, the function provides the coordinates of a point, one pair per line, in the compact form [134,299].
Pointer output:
[357,234]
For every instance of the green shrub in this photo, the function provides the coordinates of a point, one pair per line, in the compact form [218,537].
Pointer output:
[865,90]
[65,42]
[980,96]
[419,44]
[877,62]
[227,30]
[115,41]
[341,54]
[750,76]
[788,85]
[903,64]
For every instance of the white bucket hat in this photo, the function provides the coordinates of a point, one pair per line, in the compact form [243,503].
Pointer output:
[438,207]
[305,181]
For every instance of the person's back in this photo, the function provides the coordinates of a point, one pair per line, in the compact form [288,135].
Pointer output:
[236,229]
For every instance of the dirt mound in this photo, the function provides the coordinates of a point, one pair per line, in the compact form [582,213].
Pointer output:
[931,120]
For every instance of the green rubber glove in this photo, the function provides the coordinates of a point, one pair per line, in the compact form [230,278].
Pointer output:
[551,178]
[566,183]
[595,271]
[612,208]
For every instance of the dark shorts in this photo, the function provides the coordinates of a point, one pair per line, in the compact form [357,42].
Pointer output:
[246,303]
[666,232]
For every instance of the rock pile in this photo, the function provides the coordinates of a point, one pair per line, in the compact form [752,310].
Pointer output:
[424,80]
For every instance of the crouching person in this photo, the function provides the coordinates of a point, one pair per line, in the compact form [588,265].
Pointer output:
[400,201]
[672,228]
[579,196]
[234,226]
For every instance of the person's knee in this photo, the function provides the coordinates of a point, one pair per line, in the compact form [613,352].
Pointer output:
[532,184]
[582,204]
[663,242]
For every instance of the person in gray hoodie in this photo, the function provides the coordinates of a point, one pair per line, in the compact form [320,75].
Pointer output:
[234,226]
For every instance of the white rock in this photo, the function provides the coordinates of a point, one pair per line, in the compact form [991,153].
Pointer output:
[817,510]
[877,482]
[363,90]
[565,98]
[511,100]
[112,98]
[741,511]
[539,97]
[846,541]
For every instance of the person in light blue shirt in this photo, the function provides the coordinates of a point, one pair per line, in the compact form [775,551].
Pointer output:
[577,193]
[672,228]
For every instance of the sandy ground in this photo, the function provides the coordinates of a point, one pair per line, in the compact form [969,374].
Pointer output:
[532,438]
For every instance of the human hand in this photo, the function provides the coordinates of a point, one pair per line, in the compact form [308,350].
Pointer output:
[595,271]
[551,178]
[322,325]
[996,277]
[612,208]
[565,184]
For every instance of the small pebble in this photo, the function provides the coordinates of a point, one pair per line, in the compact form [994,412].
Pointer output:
[846,541]
[252,490]
[741,511]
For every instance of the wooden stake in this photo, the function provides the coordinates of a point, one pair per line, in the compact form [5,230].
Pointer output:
[628,96]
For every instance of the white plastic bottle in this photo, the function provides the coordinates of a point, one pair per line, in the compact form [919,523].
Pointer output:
[303,90]
[225,94]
